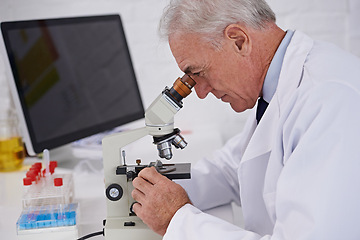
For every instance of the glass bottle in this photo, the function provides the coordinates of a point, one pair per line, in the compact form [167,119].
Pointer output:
[12,152]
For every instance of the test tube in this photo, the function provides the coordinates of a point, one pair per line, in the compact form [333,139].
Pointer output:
[27,184]
[46,172]
[58,184]
[46,159]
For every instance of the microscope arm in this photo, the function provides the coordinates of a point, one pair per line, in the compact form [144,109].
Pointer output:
[112,145]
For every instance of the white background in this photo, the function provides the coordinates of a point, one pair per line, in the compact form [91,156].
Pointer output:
[336,21]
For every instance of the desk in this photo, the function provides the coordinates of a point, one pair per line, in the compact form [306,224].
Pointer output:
[89,184]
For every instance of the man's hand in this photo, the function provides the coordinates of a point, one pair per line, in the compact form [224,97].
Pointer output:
[158,199]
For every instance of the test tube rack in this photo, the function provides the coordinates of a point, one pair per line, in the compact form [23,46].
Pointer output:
[48,207]
[45,192]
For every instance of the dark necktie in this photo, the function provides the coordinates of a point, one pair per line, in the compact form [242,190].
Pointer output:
[261,107]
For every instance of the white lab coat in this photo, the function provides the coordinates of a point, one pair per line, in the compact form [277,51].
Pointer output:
[297,173]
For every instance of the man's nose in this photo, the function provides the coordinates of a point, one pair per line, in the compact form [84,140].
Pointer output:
[202,88]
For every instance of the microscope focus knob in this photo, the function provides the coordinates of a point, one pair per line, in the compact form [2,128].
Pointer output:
[114,192]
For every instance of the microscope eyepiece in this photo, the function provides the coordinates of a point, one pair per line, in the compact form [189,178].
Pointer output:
[182,87]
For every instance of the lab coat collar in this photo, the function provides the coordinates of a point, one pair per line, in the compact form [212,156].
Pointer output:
[289,80]
[273,73]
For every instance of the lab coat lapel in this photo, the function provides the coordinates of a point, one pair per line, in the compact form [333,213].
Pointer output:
[252,172]
[289,80]
[257,208]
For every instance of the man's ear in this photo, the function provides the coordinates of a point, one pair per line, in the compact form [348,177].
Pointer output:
[240,39]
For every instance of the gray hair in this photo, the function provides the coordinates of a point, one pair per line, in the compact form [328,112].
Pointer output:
[211,17]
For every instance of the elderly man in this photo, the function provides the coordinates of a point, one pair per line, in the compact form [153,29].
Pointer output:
[294,169]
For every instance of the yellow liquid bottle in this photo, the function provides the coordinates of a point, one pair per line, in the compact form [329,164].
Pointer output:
[12,154]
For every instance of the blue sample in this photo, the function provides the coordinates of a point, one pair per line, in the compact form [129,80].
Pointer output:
[47,216]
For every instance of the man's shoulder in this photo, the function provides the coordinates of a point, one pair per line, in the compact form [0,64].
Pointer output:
[328,62]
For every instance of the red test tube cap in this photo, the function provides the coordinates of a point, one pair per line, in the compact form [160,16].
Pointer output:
[52,166]
[38,165]
[31,173]
[58,182]
[35,170]
[53,163]
[27,181]
[52,169]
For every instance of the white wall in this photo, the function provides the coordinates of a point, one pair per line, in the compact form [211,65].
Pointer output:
[336,21]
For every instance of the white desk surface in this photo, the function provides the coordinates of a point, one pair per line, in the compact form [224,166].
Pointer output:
[89,184]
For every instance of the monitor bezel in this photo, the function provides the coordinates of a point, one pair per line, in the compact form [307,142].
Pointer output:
[33,146]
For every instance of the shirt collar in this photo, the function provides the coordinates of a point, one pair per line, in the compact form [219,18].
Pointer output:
[273,73]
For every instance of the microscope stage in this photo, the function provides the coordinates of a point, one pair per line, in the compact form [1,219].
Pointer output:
[171,171]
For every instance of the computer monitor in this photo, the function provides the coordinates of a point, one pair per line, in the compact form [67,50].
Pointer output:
[70,78]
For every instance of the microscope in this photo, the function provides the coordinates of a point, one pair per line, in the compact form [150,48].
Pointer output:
[121,222]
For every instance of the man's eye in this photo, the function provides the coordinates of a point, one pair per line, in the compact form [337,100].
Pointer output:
[196,74]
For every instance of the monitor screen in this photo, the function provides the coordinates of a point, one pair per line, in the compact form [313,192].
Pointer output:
[73,77]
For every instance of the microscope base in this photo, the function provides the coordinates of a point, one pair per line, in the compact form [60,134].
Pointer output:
[115,229]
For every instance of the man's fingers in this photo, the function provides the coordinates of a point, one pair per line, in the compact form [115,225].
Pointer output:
[151,175]
[138,195]
[136,208]
[142,184]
